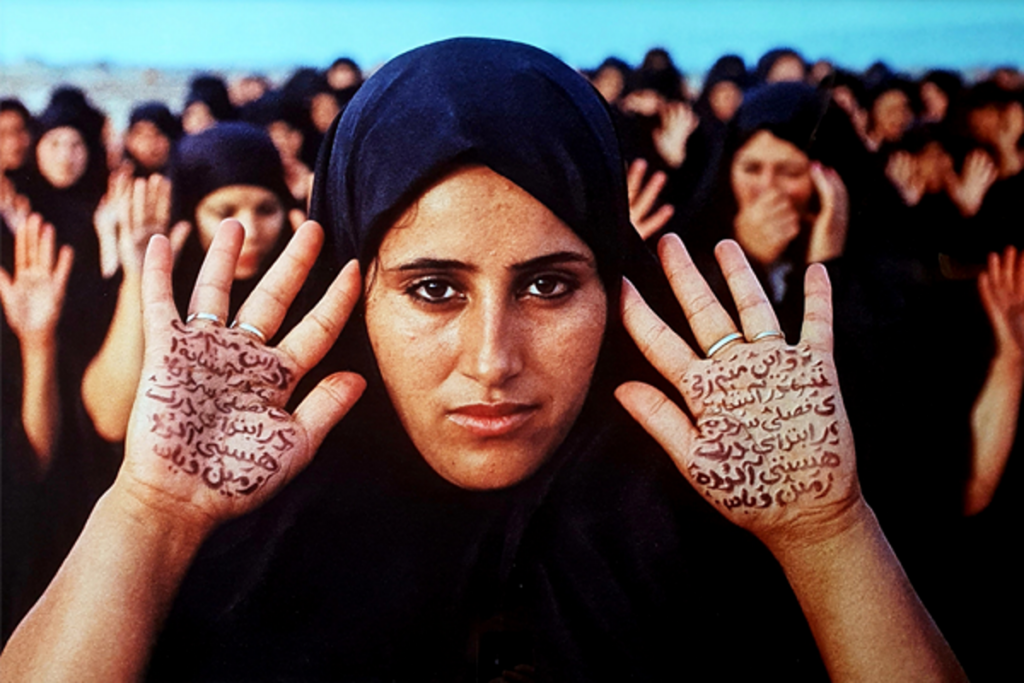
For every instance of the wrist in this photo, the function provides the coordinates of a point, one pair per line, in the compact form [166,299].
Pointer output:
[156,515]
[822,539]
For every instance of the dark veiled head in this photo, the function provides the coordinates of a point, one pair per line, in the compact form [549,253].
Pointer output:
[508,106]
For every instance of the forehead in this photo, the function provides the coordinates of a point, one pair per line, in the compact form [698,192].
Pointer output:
[239,195]
[63,134]
[11,120]
[765,146]
[476,215]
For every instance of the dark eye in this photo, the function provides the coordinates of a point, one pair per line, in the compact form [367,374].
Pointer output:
[267,209]
[548,287]
[433,291]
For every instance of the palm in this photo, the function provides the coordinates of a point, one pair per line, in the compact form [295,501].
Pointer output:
[209,438]
[772,437]
[209,413]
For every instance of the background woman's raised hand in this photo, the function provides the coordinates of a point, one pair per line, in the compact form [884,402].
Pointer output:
[209,438]
[34,296]
[764,435]
[828,233]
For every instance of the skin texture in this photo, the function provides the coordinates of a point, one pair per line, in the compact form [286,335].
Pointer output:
[472,330]
[257,208]
[62,156]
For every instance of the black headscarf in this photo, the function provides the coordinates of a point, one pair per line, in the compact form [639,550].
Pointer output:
[213,92]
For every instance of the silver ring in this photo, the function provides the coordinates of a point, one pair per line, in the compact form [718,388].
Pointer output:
[717,346]
[766,334]
[251,329]
[204,316]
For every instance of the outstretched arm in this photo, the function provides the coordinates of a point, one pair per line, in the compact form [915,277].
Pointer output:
[996,411]
[208,440]
[142,209]
[32,301]
[769,446]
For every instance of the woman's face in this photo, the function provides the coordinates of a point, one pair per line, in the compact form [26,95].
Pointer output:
[725,98]
[257,209]
[148,145]
[785,69]
[486,316]
[14,140]
[62,156]
[765,163]
[196,118]
[892,115]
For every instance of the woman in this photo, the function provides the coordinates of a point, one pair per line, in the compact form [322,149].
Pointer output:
[153,131]
[229,171]
[543,247]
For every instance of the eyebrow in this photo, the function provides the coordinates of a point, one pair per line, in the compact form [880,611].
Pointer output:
[544,261]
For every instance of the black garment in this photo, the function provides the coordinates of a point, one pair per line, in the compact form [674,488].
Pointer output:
[371,567]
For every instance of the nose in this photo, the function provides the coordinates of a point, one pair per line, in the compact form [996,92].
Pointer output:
[492,350]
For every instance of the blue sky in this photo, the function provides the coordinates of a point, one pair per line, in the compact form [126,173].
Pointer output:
[264,34]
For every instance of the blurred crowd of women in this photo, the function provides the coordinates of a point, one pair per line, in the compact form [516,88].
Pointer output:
[904,186]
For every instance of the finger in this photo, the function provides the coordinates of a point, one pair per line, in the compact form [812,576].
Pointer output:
[817,325]
[708,320]
[824,186]
[756,313]
[660,345]
[319,329]
[20,248]
[655,222]
[158,308]
[65,259]
[47,243]
[327,403]
[178,234]
[635,177]
[266,307]
[649,193]
[661,418]
[212,292]
[6,286]
[138,203]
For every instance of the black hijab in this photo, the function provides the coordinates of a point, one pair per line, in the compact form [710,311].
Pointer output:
[169,126]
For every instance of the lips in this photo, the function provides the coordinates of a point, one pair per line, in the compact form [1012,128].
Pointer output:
[492,420]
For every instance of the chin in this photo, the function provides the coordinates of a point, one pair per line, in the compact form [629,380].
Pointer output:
[487,471]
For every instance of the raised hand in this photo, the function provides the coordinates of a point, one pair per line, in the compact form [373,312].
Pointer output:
[144,210]
[1002,294]
[902,173]
[677,125]
[969,189]
[769,443]
[642,198]
[105,219]
[828,233]
[766,226]
[34,297]
[209,438]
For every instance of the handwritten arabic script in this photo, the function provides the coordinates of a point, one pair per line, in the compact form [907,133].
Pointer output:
[212,409]
[769,429]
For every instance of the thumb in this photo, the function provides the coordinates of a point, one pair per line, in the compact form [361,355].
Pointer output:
[5,287]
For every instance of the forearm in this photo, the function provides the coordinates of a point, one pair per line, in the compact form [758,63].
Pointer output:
[40,401]
[993,429]
[110,381]
[98,619]
[866,618]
